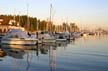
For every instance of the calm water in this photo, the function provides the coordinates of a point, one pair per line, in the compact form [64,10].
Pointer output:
[83,54]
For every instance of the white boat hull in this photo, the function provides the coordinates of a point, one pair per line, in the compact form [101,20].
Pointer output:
[48,40]
[19,41]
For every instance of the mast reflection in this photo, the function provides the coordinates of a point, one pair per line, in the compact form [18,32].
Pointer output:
[23,53]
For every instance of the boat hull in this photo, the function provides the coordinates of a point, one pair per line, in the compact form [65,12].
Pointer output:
[19,41]
[48,40]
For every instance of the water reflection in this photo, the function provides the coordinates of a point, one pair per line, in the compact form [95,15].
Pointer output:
[82,54]
[18,52]
[2,54]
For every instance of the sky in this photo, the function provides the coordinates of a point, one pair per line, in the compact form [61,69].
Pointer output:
[85,13]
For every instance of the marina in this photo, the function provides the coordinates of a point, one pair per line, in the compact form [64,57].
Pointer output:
[83,54]
[53,35]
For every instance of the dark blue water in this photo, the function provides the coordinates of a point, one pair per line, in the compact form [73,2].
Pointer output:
[84,54]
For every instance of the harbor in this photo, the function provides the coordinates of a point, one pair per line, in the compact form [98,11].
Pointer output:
[53,35]
[65,56]
[16,36]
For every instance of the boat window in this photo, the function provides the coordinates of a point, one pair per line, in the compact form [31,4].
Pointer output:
[14,36]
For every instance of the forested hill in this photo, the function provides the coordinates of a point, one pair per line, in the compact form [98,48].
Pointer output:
[31,23]
[23,21]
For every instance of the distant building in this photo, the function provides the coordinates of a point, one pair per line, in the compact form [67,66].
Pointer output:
[12,25]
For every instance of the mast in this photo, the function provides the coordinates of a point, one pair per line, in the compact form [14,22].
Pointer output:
[28,22]
[50,12]
[50,18]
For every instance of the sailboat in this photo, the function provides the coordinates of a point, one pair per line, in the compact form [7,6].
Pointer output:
[45,35]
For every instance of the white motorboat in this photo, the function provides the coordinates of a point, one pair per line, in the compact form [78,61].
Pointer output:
[18,37]
[45,37]
[61,37]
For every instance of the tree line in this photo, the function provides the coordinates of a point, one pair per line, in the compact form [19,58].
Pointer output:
[34,24]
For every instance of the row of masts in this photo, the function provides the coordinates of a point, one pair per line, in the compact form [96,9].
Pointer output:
[49,22]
